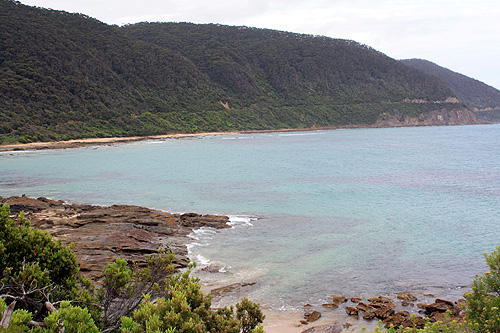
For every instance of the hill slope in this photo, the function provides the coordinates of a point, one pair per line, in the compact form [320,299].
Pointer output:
[473,92]
[66,76]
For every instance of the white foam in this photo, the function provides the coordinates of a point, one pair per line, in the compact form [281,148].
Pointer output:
[241,220]
[300,134]
[202,261]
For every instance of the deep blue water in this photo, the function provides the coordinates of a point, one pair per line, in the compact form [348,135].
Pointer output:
[347,211]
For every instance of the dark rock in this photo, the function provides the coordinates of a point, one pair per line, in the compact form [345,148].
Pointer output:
[364,307]
[313,316]
[416,321]
[193,221]
[381,302]
[351,311]
[384,313]
[406,296]
[232,288]
[370,314]
[356,299]
[406,303]
[212,268]
[330,305]
[396,319]
[441,305]
[338,299]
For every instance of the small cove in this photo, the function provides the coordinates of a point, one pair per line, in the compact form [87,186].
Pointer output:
[362,211]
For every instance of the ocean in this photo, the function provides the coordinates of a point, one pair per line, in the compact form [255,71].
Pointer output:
[354,212]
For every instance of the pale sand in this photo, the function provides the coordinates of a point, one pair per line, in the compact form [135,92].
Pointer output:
[99,141]
[105,141]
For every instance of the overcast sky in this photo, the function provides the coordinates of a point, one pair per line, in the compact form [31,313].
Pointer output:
[462,35]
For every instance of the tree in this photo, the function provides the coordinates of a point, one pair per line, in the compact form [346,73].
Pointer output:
[483,303]
[184,308]
[35,269]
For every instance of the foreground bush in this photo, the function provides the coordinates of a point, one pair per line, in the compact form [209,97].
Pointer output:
[41,291]
[483,303]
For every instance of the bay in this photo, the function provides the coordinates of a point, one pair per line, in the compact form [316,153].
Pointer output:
[361,211]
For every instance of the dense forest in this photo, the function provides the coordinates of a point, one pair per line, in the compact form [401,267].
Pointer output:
[476,94]
[66,76]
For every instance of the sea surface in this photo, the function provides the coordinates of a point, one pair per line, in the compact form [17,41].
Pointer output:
[352,212]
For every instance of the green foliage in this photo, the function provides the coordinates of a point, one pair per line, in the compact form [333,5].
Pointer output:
[483,303]
[124,288]
[75,319]
[249,314]
[18,321]
[33,267]
[68,76]
[184,308]
[476,94]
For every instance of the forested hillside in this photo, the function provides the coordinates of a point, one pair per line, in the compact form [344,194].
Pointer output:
[65,76]
[473,92]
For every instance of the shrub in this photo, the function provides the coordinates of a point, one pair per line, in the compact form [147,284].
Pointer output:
[483,303]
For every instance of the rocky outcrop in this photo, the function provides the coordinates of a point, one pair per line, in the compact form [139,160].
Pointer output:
[434,118]
[102,234]
[388,311]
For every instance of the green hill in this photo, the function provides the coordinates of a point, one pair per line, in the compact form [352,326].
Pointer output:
[473,92]
[65,76]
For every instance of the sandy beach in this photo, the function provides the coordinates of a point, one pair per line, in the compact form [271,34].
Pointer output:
[98,141]
[76,143]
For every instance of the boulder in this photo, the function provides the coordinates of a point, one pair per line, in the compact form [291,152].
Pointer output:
[384,312]
[232,288]
[396,319]
[441,305]
[351,311]
[369,315]
[406,296]
[313,316]
[338,299]
[364,307]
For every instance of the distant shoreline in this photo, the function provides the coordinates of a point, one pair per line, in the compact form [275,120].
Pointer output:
[77,143]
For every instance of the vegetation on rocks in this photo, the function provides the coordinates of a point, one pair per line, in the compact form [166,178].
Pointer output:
[41,291]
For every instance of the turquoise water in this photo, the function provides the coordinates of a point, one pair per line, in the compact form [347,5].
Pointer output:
[349,211]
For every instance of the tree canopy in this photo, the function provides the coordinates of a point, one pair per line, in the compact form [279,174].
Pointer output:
[69,76]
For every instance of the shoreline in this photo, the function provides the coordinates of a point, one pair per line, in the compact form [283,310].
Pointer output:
[78,143]
[143,230]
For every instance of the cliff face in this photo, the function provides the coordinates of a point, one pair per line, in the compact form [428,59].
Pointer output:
[102,234]
[434,118]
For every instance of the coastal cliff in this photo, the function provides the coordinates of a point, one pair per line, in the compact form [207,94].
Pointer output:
[101,234]
[433,118]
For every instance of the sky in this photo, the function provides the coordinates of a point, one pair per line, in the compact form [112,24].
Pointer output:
[461,35]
